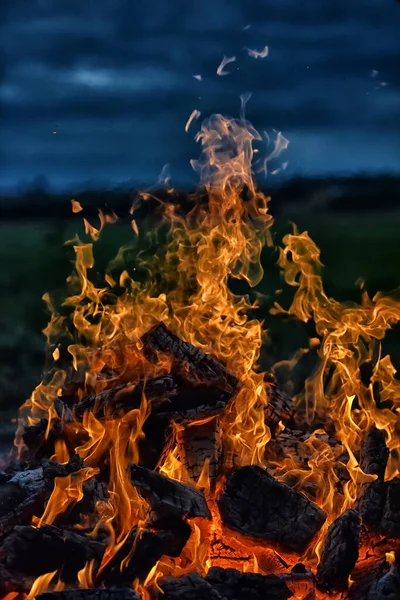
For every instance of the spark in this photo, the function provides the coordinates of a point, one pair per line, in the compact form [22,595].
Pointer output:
[225,61]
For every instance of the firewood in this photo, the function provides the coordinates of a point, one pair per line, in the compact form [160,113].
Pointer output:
[233,584]
[35,440]
[25,493]
[221,584]
[201,366]
[257,505]
[387,587]
[198,443]
[370,577]
[280,406]
[126,397]
[168,497]
[91,594]
[390,522]
[339,552]
[35,551]
[374,455]
[142,549]
[188,587]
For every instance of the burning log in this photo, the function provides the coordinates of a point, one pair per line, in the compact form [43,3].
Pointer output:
[142,549]
[375,580]
[201,366]
[91,594]
[167,497]
[256,504]
[205,386]
[390,522]
[225,583]
[280,406]
[35,439]
[25,493]
[124,398]
[35,551]
[188,587]
[374,455]
[339,552]
[198,443]
[234,584]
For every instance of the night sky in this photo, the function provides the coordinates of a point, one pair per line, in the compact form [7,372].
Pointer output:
[114,80]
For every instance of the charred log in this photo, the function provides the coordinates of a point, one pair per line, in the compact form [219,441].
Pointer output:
[199,366]
[91,594]
[225,583]
[256,504]
[374,455]
[339,552]
[188,587]
[198,444]
[124,398]
[390,522]
[280,406]
[35,551]
[372,579]
[142,549]
[387,587]
[24,494]
[38,443]
[230,583]
[167,497]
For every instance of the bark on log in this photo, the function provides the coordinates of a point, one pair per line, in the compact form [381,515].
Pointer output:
[390,522]
[124,398]
[231,583]
[141,551]
[339,552]
[91,594]
[188,587]
[280,405]
[374,455]
[370,577]
[221,584]
[35,551]
[198,443]
[387,587]
[168,497]
[201,366]
[256,504]
[24,494]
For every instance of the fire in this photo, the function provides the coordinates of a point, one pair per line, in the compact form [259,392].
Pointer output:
[216,242]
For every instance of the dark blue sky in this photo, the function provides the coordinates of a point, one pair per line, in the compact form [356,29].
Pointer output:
[114,79]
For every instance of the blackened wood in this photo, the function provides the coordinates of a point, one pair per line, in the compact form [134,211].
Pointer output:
[201,365]
[35,551]
[35,439]
[198,443]
[256,504]
[339,552]
[124,398]
[390,522]
[189,587]
[387,587]
[280,406]
[25,493]
[91,594]
[168,497]
[233,584]
[142,549]
[13,582]
[374,453]
[365,577]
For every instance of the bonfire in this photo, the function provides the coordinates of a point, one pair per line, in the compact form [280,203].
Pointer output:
[156,459]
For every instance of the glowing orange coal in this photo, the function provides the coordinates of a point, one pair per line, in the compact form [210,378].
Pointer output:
[216,241]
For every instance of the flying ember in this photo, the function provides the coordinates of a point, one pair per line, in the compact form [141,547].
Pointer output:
[157,459]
